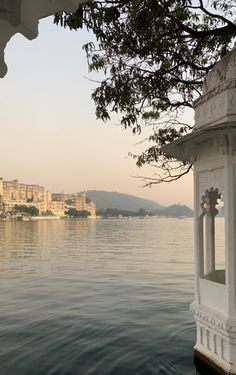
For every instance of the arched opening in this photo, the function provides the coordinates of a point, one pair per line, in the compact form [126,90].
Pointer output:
[212,237]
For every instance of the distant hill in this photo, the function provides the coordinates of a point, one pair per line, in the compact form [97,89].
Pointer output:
[108,199]
[176,210]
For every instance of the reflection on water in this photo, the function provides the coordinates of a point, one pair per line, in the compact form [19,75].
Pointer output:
[96,297]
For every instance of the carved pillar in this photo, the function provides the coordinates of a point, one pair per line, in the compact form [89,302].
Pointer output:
[210,244]
[209,211]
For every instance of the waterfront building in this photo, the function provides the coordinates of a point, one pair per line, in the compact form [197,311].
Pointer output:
[59,197]
[78,201]
[14,193]
[13,190]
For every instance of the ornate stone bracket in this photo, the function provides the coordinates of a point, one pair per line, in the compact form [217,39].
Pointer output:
[22,16]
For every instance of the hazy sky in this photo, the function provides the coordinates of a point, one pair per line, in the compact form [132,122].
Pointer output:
[49,132]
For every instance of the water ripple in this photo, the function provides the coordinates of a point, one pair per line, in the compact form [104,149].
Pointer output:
[88,297]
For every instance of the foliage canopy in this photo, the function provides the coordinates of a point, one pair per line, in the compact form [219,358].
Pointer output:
[154,55]
[28,210]
[73,212]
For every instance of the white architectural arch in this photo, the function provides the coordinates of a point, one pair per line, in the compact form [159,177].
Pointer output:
[22,16]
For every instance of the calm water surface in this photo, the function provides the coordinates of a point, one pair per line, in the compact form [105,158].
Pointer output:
[93,297]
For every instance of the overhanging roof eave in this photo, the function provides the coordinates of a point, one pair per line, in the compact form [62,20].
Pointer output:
[184,149]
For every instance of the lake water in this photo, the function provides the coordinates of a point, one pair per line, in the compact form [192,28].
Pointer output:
[93,297]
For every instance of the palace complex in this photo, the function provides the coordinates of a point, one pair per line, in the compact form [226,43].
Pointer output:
[14,193]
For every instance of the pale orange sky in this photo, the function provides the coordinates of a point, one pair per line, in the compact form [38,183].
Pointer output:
[49,132]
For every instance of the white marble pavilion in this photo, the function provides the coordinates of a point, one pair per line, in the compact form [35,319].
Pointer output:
[211,147]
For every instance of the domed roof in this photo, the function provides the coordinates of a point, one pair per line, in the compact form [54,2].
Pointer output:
[223,70]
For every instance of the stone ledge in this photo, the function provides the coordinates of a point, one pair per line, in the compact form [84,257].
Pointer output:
[213,318]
